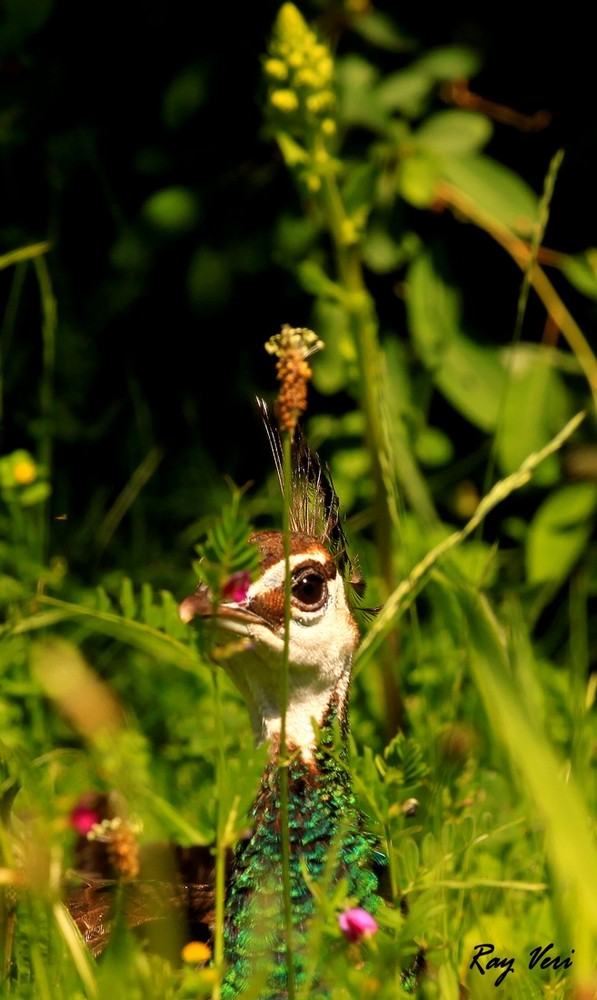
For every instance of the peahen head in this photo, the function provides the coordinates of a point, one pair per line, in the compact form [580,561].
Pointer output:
[322,632]
[323,636]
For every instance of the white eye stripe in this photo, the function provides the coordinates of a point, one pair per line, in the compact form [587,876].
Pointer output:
[273,577]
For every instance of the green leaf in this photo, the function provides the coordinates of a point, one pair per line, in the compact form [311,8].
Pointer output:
[358,103]
[336,366]
[36,493]
[172,209]
[382,253]
[314,280]
[450,62]
[559,532]
[547,779]
[418,179]
[455,132]
[535,406]
[433,447]
[470,375]
[495,191]
[406,91]
[358,190]
[581,271]
[184,95]
[379,29]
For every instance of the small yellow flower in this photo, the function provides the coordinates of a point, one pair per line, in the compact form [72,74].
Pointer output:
[24,472]
[296,59]
[316,103]
[328,126]
[313,183]
[349,232]
[325,68]
[195,952]
[306,78]
[284,100]
[276,69]
[319,52]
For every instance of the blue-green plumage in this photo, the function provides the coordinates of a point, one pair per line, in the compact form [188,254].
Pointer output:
[323,818]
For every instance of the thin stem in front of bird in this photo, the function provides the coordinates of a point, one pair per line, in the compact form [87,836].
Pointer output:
[282,758]
[220,849]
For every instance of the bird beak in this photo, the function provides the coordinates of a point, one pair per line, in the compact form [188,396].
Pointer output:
[201,605]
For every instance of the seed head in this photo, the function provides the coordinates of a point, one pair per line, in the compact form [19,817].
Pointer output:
[292,346]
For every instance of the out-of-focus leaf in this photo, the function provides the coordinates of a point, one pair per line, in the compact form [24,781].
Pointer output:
[314,280]
[455,132]
[495,190]
[358,102]
[450,62]
[36,493]
[559,532]
[336,366]
[379,29]
[208,279]
[382,253]
[294,154]
[358,190]
[185,94]
[294,236]
[418,179]
[406,91]
[581,271]
[468,374]
[433,447]
[172,209]
[535,406]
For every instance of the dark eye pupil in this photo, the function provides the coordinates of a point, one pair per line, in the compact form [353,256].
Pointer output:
[310,589]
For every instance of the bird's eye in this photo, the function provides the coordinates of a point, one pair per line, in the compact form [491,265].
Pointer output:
[310,590]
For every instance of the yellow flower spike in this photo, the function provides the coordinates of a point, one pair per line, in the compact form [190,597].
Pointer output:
[313,183]
[284,100]
[276,69]
[195,952]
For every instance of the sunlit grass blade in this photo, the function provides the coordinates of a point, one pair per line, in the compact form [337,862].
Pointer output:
[570,844]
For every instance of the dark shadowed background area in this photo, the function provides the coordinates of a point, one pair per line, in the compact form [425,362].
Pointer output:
[163,307]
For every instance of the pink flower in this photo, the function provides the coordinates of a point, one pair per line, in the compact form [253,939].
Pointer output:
[356,924]
[83,818]
[237,586]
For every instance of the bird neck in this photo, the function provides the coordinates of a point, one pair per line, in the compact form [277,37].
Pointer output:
[322,812]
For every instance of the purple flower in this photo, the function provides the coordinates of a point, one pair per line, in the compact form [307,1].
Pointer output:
[236,587]
[356,924]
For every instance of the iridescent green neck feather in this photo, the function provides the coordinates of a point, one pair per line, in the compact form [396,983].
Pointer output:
[324,819]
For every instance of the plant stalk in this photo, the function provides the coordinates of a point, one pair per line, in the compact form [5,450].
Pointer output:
[282,753]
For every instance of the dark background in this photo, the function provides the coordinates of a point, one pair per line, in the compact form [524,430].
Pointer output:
[148,356]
